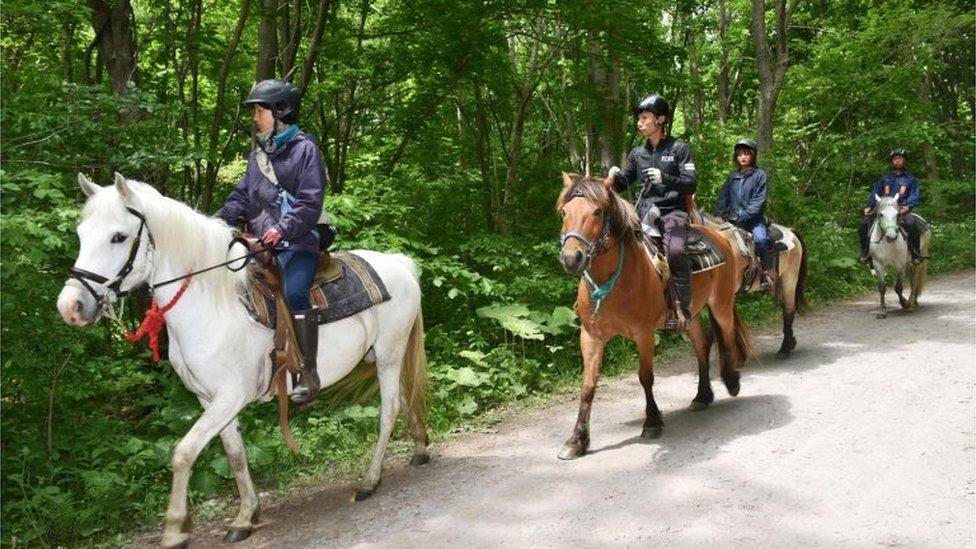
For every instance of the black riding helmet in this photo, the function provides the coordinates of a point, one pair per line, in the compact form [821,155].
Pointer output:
[654,104]
[282,98]
[897,152]
[746,144]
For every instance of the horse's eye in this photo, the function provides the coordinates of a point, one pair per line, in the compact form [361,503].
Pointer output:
[598,212]
[118,238]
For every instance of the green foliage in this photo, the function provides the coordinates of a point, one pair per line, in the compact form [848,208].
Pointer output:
[445,126]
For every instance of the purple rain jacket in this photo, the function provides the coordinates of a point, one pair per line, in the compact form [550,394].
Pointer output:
[300,170]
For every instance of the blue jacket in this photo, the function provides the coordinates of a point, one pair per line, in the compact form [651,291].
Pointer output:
[300,170]
[743,196]
[891,183]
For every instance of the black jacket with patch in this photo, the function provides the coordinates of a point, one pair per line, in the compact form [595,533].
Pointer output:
[673,158]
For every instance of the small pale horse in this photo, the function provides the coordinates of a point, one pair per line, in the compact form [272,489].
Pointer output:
[131,235]
[889,248]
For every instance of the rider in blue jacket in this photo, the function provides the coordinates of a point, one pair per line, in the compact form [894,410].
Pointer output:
[285,207]
[898,181]
[742,201]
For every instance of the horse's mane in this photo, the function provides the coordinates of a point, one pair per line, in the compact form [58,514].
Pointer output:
[184,238]
[624,222]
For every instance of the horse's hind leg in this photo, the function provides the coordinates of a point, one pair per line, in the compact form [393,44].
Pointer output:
[242,526]
[724,324]
[701,344]
[592,349]
[653,426]
[788,283]
[388,372]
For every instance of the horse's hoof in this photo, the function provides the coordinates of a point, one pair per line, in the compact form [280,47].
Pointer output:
[362,494]
[234,535]
[419,459]
[697,406]
[880,315]
[905,305]
[650,433]
[782,353]
[732,386]
[572,451]
[178,545]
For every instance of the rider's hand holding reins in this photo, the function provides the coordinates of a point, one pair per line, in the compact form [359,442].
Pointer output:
[271,237]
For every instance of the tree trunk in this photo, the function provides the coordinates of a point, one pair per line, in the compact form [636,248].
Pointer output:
[267,41]
[771,66]
[313,45]
[724,95]
[113,21]
[214,160]
[924,96]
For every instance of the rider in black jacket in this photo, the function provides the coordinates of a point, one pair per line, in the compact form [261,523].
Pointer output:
[664,169]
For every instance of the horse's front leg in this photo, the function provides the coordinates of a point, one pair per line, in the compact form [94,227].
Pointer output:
[592,350]
[216,416]
[242,526]
[701,344]
[653,426]
[883,313]
[900,289]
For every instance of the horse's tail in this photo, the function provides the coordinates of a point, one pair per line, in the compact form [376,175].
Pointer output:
[920,274]
[743,340]
[413,385]
[799,296]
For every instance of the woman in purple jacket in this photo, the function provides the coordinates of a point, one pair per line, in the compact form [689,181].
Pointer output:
[281,196]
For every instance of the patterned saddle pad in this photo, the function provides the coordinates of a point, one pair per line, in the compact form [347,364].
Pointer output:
[702,252]
[347,287]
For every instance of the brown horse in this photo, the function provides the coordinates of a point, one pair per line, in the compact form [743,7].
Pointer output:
[789,290]
[599,239]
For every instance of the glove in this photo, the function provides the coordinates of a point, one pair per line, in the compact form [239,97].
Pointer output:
[903,210]
[271,237]
[652,176]
[613,171]
[868,210]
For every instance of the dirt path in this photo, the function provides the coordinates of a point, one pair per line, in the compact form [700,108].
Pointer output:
[865,437]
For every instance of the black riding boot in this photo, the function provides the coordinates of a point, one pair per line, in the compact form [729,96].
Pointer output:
[682,302]
[915,246]
[307,332]
[864,236]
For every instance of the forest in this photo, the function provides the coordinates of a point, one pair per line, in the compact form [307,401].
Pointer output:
[445,126]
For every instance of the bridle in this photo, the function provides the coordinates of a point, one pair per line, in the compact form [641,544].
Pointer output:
[593,248]
[886,226]
[113,287]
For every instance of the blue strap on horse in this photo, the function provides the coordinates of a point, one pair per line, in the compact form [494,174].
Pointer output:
[599,292]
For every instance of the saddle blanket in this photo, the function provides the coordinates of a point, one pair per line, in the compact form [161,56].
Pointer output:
[349,286]
[358,288]
[702,252]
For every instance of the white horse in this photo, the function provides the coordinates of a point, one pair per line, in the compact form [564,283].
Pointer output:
[131,235]
[889,248]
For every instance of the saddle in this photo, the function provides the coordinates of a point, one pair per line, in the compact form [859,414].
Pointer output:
[266,302]
[741,239]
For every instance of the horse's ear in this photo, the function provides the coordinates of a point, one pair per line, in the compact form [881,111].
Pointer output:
[608,183]
[568,179]
[122,185]
[86,185]
[877,198]
[895,199]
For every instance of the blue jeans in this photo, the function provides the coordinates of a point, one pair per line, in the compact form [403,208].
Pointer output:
[760,235]
[297,272]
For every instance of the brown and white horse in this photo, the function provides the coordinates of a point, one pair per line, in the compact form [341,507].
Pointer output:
[628,299]
[790,287]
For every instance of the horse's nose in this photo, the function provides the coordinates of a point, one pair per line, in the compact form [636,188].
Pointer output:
[572,261]
[72,307]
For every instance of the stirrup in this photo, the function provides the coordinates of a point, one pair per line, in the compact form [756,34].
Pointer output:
[864,259]
[304,393]
[674,323]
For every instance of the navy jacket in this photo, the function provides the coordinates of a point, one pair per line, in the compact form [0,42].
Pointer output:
[891,183]
[673,158]
[300,170]
[743,196]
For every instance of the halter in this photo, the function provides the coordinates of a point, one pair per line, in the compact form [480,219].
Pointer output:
[884,226]
[84,276]
[598,292]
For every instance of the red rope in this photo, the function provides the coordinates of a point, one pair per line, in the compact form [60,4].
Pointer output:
[154,321]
